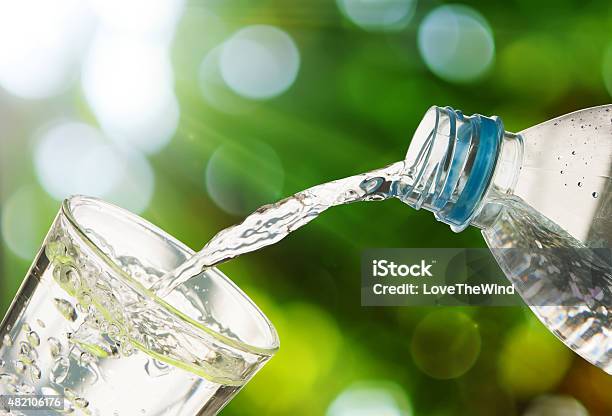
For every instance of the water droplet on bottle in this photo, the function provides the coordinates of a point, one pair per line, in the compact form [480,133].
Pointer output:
[580,184]
[26,328]
[54,346]
[595,194]
[40,323]
[60,370]
[561,172]
[2,363]
[573,152]
[33,339]
[66,309]
[6,340]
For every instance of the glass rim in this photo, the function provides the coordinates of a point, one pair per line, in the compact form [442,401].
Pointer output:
[67,211]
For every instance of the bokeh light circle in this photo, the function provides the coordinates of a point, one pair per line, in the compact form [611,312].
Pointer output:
[75,158]
[129,85]
[456,43]
[259,62]
[445,344]
[25,220]
[555,405]
[386,15]
[532,360]
[242,176]
[213,88]
[301,364]
[370,398]
[40,45]
[606,69]
[547,77]
[137,185]
[155,20]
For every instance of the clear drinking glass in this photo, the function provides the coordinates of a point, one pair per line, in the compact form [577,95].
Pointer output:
[83,324]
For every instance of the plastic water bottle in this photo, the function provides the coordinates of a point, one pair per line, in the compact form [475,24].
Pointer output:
[543,199]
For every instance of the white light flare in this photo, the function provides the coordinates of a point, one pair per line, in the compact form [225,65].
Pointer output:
[129,85]
[41,43]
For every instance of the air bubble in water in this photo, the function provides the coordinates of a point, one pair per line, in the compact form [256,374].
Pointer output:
[580,184]
[35,372]
[595,194]
[20,366]
[26,328]
[2,363]
[85,359]
[33,339]
[54,346]
[24,388]
[65,308]
[70,394]
[6,378]
[81,402]
[156,368]
[60,370]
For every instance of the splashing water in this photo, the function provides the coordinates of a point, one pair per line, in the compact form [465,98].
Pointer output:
[271,223]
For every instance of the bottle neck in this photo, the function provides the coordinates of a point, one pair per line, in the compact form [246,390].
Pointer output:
[456,164]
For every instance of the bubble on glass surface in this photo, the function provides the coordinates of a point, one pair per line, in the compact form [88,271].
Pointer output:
[40,44]
[445,344]
[25,219]
[532,361]
[555,405]
[387,15]
[154,20]
[129,86]
[243,176]
[456,43]
[214,89]
[370,398]
[259,62]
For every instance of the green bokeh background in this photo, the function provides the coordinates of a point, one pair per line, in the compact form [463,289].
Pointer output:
[357,99]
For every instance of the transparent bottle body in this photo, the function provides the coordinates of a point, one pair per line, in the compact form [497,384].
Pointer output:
[556,221]
[542,198]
